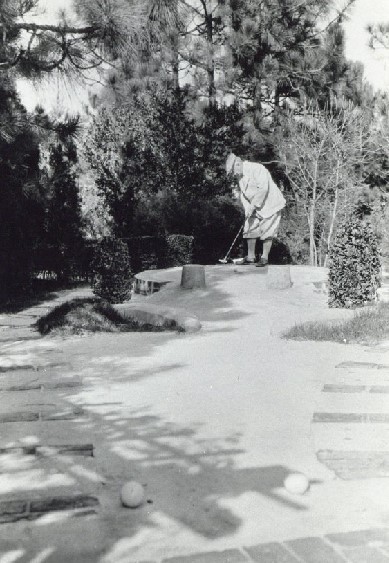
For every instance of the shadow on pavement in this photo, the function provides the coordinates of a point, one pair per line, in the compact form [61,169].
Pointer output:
[212,304]
[188,480]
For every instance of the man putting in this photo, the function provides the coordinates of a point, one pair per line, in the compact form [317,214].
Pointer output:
[262,202]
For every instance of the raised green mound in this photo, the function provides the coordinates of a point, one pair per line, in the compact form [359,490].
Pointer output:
[368,326]
[80,316]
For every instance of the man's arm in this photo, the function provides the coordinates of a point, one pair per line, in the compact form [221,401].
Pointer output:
[258,186]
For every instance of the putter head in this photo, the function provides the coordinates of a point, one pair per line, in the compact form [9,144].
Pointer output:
[225,261]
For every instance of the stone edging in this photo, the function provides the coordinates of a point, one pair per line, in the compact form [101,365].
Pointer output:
[352,547]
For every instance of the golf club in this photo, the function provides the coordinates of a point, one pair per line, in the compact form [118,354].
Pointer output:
[225,259]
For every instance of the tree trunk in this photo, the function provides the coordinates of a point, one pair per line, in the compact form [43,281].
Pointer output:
[175,62]
[312,214]
[332,224]
[312,244]
[210,59]
[333,214]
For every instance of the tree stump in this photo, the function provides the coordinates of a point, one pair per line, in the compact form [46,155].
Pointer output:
[278,277]
[193,276]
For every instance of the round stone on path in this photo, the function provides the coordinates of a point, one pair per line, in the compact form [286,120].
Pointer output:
[132,494]
[193,276]
[296,483]
[190,324]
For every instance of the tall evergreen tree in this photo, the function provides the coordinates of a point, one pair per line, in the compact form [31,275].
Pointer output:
[63,222]
[21,197]
[338,77]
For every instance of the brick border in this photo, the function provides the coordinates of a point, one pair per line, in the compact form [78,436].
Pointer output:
[85,450]
[15,510]
[347,547]
[41,416]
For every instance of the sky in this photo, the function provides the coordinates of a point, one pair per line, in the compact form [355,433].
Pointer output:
[376,63]
[61,95]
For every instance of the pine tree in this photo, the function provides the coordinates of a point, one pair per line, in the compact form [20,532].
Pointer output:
[33,47]
[338,77]
[64,223]
[379,36]
[21,197]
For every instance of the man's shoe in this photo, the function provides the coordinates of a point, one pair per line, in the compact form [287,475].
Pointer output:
[244,262]
[262,263]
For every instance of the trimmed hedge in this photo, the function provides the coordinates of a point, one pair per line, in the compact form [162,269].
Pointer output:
[157,252]
[112,279]
[146,253]
[354,265]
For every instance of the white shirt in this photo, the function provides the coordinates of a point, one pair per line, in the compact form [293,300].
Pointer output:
[258,189]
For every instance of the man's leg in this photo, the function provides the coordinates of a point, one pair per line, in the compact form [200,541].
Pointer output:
[251,249]
[264,259]
[266,248]
[269,231]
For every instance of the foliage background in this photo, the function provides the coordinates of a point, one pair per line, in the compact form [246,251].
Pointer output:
[183,84]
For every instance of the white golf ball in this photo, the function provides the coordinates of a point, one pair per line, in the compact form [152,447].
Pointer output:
[296,483]
[132,494]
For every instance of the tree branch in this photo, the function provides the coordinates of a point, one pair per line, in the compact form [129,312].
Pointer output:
[62,29]
[192,8]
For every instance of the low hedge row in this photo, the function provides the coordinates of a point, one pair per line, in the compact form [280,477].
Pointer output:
[148,253]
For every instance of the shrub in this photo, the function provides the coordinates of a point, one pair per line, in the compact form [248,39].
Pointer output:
[215,224]
[212,222]
[293,234]
[179,250]
[354,265]
[111,271]
[147,252]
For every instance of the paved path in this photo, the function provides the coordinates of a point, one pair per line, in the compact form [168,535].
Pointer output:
[211,424]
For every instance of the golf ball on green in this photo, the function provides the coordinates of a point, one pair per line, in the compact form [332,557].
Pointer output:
[132,494]
[296,483]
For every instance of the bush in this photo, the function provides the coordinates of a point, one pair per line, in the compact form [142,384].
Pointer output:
[212,222]
[354,265]
[215,225]
[111,271]
[293,234]
[179,250]
[147,252]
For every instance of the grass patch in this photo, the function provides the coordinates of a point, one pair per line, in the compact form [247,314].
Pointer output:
[368,326]
[80,316]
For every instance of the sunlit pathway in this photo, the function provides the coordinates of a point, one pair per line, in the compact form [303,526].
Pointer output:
[209,423]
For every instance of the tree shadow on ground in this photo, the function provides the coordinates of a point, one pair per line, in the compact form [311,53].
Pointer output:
[211,304]
[189,480]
